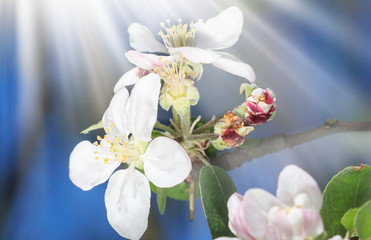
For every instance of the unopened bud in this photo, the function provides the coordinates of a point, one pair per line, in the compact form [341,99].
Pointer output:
[260,106]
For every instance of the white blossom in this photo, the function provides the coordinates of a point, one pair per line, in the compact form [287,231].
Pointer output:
[128,123]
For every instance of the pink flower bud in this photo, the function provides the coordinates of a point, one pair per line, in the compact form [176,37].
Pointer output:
[261,106]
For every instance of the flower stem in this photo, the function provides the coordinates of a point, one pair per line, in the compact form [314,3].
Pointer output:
[185,124]
[191,200]
[203,136]
[165,128]
[175,116]
[208,125]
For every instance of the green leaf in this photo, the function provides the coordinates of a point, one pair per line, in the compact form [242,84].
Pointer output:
[161,199]
[216,186]
[178,192]
[348,219]
[363,220]
[348,189]
[93,127]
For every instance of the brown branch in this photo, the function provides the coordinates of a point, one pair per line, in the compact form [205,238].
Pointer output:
[276,143]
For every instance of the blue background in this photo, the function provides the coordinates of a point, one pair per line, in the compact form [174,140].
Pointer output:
[59,61]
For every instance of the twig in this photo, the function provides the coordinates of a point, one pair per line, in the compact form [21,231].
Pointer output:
[276,143]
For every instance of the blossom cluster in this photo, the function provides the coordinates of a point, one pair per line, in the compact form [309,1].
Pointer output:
[129,155]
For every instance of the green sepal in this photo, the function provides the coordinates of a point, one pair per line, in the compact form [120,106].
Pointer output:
[181,105]
[247,88]
[161,199]
[93,127]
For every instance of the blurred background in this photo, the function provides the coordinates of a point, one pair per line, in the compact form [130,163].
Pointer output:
[59,61]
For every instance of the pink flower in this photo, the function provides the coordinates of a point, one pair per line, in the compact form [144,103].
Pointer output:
[293,214]
[261,106]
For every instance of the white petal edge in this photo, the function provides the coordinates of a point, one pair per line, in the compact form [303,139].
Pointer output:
[233,205]
[129,78]
[144,61]
[115,117]
[221,31]
[231,64]
[256,205]
[127,200]
[166,163]
[237,220]
[294,181]
[87,172]
[142,107]
[142,39]
[198,55]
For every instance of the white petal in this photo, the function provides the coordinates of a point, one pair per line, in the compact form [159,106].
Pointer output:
[114,119]
[231,64]
[166,163]
[221,31]
[87,172]
[265,107]
[142,107]
[144,61]
[198,55]
[129,78]
[257,203]
[127,200]
[142,39]
[294,181]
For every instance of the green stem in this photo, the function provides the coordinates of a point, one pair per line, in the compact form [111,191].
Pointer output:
[191,200]
[208,125]
[175,116]
[203,136]
[165,128]
[185,124]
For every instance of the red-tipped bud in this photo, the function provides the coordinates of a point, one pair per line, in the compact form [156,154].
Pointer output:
[260,106]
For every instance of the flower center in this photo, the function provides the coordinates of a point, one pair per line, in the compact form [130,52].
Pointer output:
[117,149]
[174,76]
[180,35]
